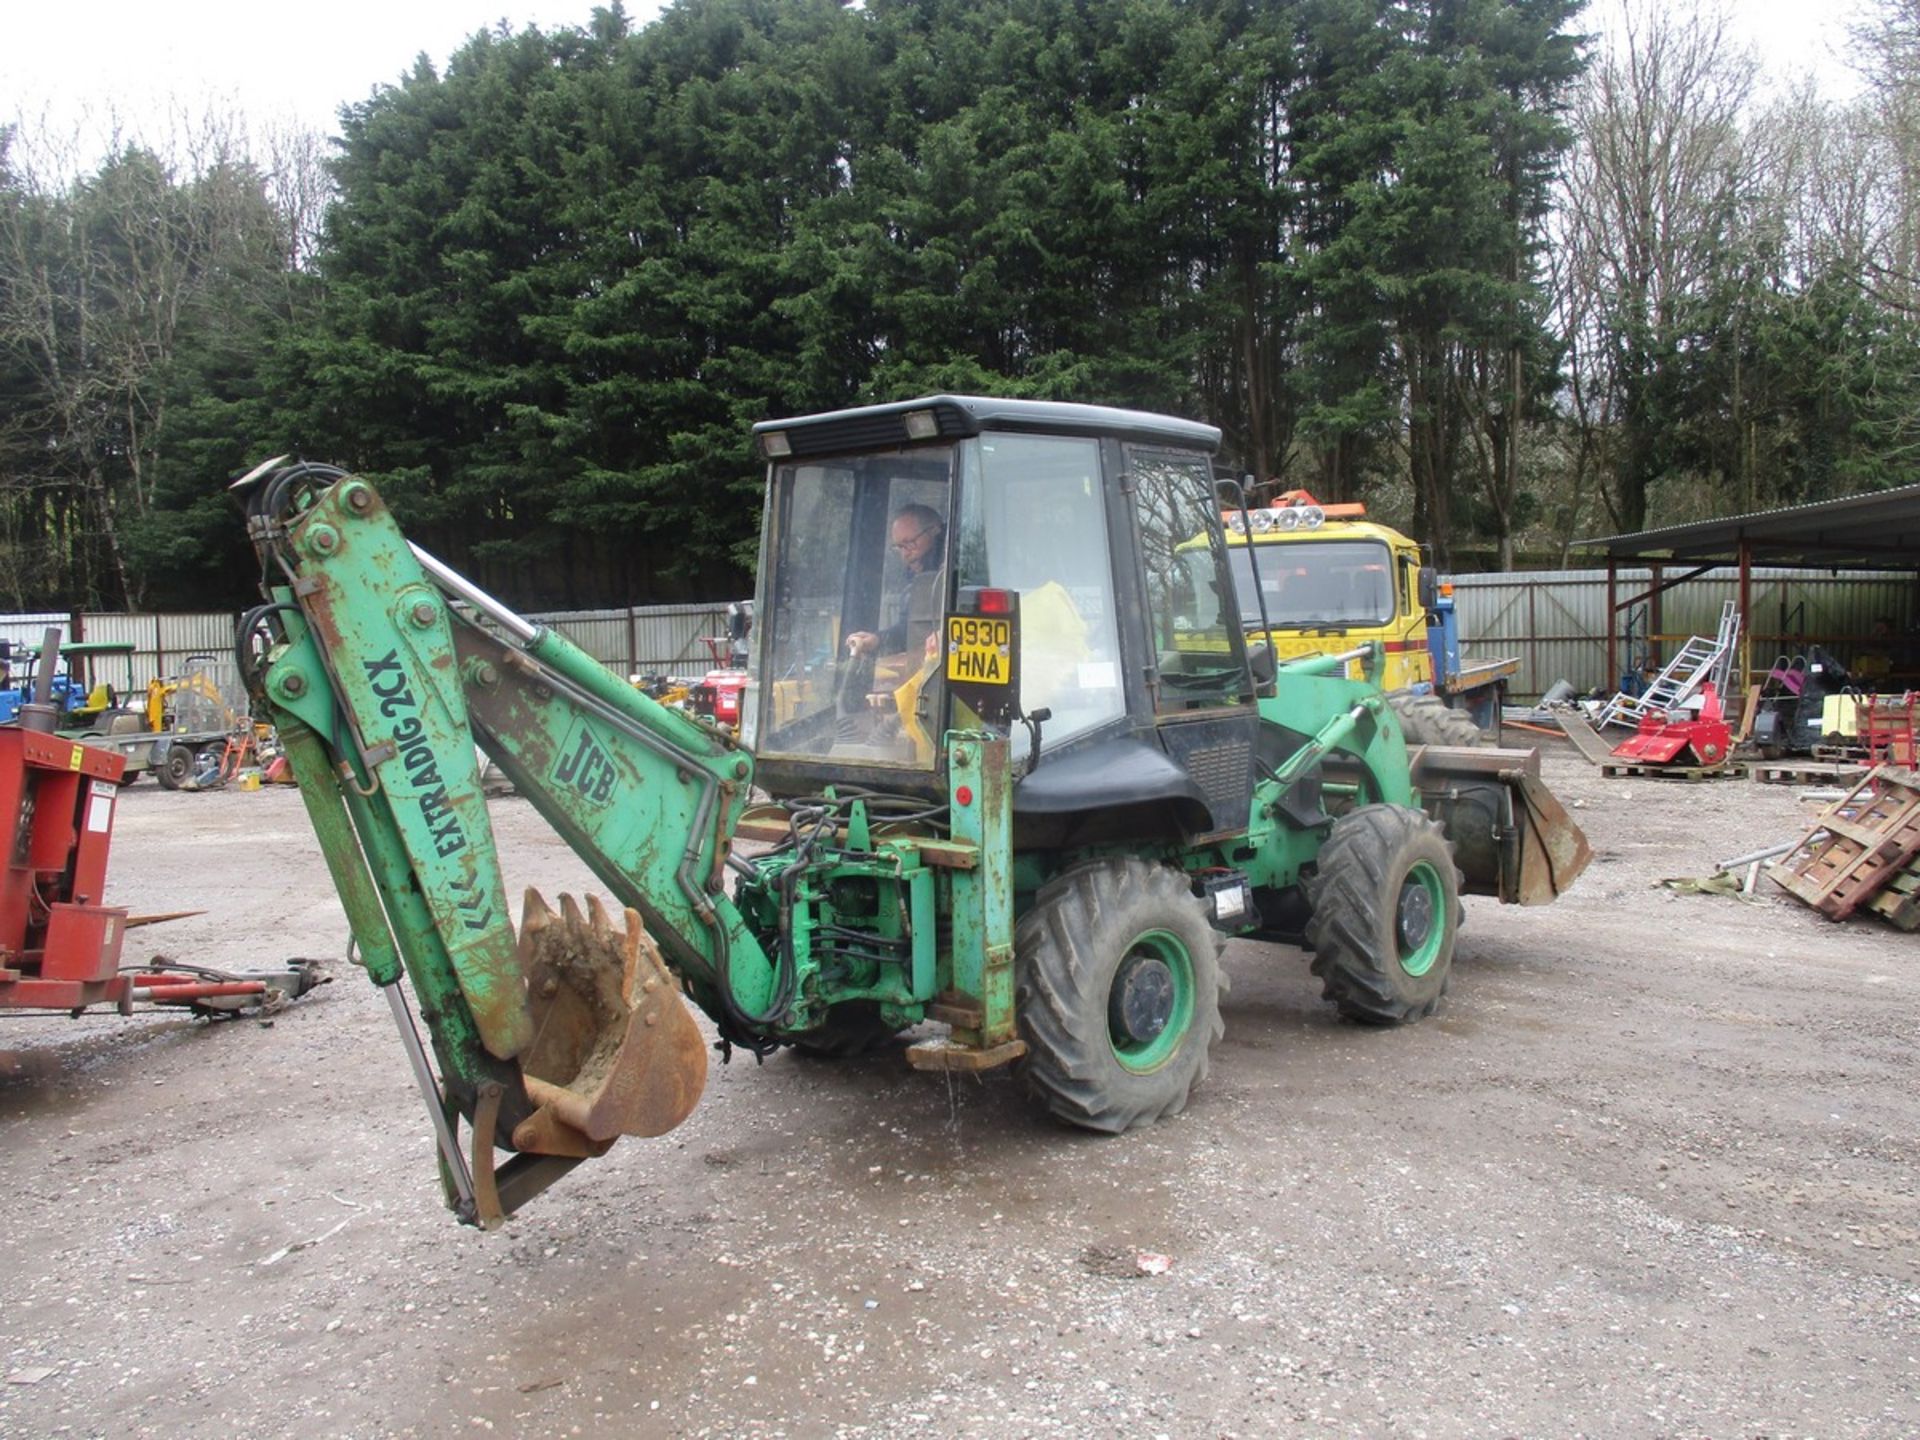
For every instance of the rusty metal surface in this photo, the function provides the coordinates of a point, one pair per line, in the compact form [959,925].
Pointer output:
[1553,850]
[1436,764]
[1574,725]
[942,1053]
[486,1195]
[1512,838]
[614,1050]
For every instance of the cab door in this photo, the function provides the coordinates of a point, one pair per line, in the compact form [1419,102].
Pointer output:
[1194,650]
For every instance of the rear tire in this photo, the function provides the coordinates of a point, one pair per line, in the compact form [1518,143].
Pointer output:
[1426,719]
[1386,913]
[1119,984]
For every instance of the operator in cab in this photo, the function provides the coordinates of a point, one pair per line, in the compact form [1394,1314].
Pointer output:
[918,536]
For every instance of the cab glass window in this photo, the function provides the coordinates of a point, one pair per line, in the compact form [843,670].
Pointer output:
[1191,613]
[853,588]
[1032,519]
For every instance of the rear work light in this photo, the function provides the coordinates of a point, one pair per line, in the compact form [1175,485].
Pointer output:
[994,602]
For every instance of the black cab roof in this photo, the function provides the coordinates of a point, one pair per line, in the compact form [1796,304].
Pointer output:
[947,417]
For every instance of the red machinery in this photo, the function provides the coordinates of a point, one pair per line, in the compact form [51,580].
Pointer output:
[59,944]
[1668,737]
[717,696]
[1889,725]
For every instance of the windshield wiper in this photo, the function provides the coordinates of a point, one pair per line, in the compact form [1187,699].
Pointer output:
[1194,680]
[1314,625]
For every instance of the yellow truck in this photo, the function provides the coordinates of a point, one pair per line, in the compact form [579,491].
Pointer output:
[1318,579]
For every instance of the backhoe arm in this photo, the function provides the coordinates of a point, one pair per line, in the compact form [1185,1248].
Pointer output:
[555,1040]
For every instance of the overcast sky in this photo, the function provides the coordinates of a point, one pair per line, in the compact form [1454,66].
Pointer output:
[301,62]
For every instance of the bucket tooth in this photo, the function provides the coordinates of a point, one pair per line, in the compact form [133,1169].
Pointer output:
[615,1049]
[534,913]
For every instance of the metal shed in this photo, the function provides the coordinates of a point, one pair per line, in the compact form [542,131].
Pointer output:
[1878,531]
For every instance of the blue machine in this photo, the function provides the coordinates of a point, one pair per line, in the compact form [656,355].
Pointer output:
[16,684]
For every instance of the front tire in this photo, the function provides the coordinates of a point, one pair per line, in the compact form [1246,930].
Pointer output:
[1386,913]
[1119,984]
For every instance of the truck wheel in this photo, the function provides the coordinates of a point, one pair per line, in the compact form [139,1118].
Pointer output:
[1426,719]
[1386,911]
[854,1028]
[174,767]
[1118,986]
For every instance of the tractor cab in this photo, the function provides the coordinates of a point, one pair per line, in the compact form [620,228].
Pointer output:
[1026,567]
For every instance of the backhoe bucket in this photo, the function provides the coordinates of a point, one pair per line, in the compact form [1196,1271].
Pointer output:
[1511,837]
[615,1051]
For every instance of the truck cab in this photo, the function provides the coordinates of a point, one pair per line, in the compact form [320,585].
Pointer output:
[1315,579]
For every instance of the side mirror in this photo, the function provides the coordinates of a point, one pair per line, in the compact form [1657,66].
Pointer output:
[1261,662]
[1429,588]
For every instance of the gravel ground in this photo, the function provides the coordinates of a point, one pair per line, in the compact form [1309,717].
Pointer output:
[1651,1171]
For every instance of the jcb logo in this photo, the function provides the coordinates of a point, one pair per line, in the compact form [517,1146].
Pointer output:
[585,766]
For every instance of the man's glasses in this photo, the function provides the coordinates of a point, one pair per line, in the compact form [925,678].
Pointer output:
[912,540]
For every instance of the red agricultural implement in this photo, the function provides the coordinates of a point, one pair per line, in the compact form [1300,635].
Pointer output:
[60,943]
[1696,739]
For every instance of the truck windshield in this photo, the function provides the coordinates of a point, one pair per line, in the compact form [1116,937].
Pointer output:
[1316,583]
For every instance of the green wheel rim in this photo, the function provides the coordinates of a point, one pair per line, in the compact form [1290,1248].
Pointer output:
[1420,919]
[1150,1006]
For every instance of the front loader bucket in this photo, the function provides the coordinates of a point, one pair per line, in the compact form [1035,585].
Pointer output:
[614,1051]
[1511,837]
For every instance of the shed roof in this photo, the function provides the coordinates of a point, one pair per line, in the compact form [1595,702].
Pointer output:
[1881,529]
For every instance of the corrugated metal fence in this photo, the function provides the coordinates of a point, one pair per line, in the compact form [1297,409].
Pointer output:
[160,645]
[1556,621]
[642,639]
[635,640]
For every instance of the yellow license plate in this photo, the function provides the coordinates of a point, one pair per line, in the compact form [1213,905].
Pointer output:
[979,651]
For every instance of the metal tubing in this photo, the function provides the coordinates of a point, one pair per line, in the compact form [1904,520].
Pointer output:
[173,994]
[1766,854]
[340,847]
[1327,664]
[455,1162]
[454,583]
[1330,735]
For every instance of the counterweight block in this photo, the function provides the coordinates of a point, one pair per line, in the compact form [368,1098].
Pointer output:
[615,1050]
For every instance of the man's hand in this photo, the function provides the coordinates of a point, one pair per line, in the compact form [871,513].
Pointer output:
[862,642]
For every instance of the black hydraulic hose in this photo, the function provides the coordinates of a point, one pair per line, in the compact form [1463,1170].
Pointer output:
[244,657]
[272,497]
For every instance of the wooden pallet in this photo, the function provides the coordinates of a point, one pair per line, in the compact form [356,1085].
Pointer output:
[1667,772]
[1898,902]
[1857,846]
[1806,772]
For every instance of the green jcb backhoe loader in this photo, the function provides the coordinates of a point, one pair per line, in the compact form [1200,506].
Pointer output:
[1025,779]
